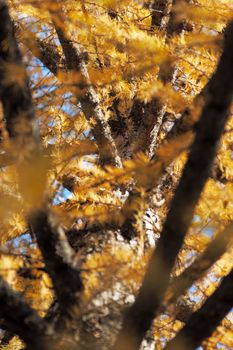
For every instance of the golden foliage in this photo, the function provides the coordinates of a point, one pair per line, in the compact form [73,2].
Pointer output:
[124,59]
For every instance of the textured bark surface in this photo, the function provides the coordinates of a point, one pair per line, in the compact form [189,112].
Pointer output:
[89,100]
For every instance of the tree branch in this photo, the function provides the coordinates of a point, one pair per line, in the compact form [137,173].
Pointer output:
[203,322]
[59,259]
[74,60]
[159,10]
[182,133]
[89,100]
[149,117]
[18,110]
[14,90]
[214,116]
[45,51]
[168,70]
[20,318]
[202,264]
[194,272]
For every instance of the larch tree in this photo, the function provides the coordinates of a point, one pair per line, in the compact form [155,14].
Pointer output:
[116,168]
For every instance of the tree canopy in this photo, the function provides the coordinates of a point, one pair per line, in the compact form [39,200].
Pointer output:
[116,174]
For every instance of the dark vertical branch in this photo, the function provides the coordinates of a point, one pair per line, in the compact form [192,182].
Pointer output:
[20,119]
[214,116]
[204,321]
[14,89]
